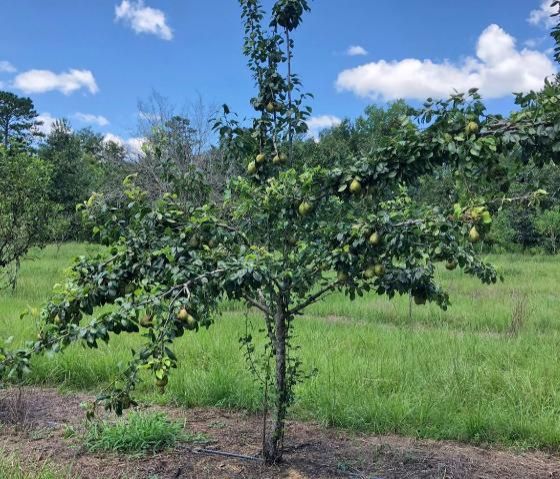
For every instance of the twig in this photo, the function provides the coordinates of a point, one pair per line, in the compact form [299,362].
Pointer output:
[314,297]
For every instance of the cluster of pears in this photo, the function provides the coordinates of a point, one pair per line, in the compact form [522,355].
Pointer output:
[270,106]
[277,159]
[186,318]
[183,316]
[306,207]
[479,216]
[375,269]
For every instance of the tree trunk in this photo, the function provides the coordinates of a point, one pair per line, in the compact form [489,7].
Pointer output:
[273,446]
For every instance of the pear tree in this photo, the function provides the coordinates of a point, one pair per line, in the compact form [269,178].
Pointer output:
[288,233]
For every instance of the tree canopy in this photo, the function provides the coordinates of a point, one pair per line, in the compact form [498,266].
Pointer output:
[291,231]
[18,118]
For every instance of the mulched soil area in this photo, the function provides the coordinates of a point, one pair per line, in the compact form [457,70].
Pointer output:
[311,451]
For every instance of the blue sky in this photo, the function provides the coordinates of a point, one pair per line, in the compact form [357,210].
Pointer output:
[91,61]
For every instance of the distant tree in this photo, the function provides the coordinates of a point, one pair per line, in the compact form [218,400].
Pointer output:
[378,125]
[177,153]
[24,206]
[75,172]
[374,129]
[547,223]
[18,118]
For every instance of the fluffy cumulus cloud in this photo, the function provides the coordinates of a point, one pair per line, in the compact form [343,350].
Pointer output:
[41,81]
[543,15]
[90,119]
[356,50]
[48,120]
[498,69]
[132,145]
[7,67]
[143,19]
[318,123]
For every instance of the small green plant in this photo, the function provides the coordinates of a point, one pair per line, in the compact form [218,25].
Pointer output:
[69,432]
[138,433]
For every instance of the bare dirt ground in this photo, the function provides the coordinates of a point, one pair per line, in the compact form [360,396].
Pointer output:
[311,451]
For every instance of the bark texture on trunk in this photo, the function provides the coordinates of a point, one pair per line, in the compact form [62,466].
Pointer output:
[273,446]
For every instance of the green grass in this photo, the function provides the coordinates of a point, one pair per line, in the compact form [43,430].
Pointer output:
[13,468]
[459,374]
[137,433]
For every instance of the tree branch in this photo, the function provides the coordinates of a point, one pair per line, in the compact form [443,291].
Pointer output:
[256,304]
[313,298]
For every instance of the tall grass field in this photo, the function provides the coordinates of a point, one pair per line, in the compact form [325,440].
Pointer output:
[485,371]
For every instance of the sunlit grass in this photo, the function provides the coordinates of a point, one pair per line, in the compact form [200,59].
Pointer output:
[15,468]
[470,373]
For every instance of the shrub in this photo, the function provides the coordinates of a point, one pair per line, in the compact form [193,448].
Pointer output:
[139,432]
[547,223]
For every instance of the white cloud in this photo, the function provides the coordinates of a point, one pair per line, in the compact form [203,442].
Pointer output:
[41,81]
[7,67]
[542,16]
[318,123]
[48,121]
[132,145]
[98,120]
[143,19]
[356,50]
[531,43]
[499,69]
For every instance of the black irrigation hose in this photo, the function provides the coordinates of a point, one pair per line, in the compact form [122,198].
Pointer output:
[215,452]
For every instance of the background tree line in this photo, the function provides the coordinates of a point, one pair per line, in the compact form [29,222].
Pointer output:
[44,176]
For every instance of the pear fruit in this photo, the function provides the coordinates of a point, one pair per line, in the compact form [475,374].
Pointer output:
[472,128]
[375,238]
[252,168]
[183,314]
[355,186]
[260,158]
[474,235]
[190,323]
[451,265]
[147,321]
[379,269]
[305,208]
[369,272]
